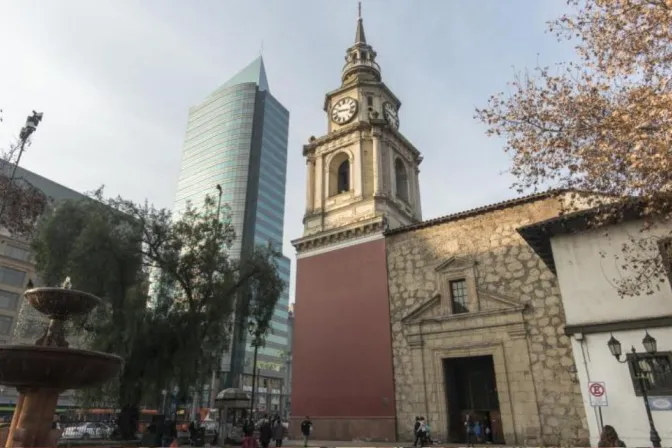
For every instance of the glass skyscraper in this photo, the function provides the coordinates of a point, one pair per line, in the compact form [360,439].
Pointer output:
[237,138]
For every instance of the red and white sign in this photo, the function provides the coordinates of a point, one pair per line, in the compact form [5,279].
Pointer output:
[598,393]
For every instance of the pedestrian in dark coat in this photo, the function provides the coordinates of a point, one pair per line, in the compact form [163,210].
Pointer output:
[306,429]
[278,432]
[265,433]
[415,431]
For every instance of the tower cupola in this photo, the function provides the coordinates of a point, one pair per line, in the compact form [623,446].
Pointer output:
[360,59]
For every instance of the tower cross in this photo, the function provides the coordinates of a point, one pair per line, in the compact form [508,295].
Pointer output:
[359,10]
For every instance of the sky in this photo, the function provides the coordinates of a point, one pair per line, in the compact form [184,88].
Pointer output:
[115,80]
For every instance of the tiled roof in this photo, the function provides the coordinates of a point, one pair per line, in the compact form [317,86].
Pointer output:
[478,211]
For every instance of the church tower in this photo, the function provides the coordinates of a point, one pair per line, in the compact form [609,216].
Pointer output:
[362,178]
[363,173]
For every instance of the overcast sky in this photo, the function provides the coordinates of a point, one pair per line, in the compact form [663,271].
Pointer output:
[115,79]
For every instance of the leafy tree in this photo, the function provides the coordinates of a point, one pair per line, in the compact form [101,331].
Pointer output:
[170,335]
[603,123]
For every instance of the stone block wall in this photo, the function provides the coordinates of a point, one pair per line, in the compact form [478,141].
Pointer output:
[545,396]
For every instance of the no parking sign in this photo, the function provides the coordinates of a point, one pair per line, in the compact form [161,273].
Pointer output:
[598,393]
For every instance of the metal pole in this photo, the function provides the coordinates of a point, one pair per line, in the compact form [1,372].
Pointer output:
[193,403]
[214,381]
[654,437]
[254,377]
[18,160]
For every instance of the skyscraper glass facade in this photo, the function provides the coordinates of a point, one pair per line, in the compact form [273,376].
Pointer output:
[237,138]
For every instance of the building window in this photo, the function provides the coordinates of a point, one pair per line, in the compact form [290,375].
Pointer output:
[458,296]
[17,253]
[8,300]
[656,372]
[5,325]
[401,177]
[12,277]
[369,101]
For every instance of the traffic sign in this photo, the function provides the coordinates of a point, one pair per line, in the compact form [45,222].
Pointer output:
[598,393]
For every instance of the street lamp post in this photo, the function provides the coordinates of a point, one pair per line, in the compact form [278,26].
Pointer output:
[31,125]
[214,381]
[651,346]
[26,131]
[255,334]
[164,392]
[219,200]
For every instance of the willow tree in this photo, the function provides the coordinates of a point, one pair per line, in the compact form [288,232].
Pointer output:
[168,286]
[601,123]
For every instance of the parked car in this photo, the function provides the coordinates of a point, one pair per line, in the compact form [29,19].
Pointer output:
[88,431]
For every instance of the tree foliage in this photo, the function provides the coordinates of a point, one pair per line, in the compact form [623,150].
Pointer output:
[171,332]
[601,124]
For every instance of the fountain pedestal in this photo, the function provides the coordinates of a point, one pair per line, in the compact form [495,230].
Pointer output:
[41,372]
[36,416]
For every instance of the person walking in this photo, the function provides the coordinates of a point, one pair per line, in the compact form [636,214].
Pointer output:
[306,429]
[469,430]
[422,432]
[609,438]
[248,434]
[278,432]
[416,426]
[478,431]
[265,432]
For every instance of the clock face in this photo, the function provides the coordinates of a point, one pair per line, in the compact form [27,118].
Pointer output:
[391,116]
[344,110]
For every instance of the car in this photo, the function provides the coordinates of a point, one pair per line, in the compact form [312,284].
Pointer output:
[91,430]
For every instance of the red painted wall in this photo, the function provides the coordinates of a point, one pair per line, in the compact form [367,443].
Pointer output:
[342,354]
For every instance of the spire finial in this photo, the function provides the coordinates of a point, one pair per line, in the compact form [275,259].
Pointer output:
[360,38]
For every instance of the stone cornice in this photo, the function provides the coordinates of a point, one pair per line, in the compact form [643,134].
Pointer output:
[347,134]
[332,136]
[357,230]
[398,138]
[466,321]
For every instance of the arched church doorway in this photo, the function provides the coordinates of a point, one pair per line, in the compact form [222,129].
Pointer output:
[471,395]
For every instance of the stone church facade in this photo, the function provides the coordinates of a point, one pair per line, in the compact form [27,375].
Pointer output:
[508,309]
[453,319]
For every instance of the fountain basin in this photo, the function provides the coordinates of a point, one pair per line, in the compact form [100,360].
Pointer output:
[33,366]
[60,303]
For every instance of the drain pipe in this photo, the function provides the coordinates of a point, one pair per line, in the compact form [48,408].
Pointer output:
[581,339]
[424,373]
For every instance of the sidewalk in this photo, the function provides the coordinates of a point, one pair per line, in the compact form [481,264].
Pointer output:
[365,444]
[333,443]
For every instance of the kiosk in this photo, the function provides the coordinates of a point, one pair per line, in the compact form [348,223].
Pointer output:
[233,405]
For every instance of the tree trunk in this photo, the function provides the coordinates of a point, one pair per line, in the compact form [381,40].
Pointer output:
[129,418]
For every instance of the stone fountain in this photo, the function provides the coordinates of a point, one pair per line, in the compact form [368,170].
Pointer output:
[43,371]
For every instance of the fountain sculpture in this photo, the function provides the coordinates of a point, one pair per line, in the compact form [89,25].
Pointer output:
[43,371]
